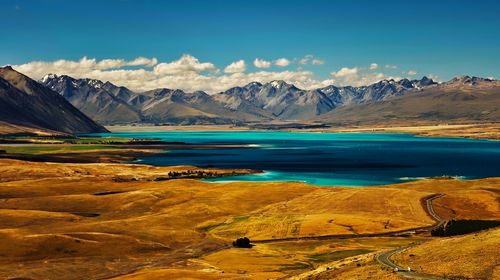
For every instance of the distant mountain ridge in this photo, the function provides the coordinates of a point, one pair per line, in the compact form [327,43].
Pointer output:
[26,104]
[285,101]
[103,102]
[254,102]
[460,100]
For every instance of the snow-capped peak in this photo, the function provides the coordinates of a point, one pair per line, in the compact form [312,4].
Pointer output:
[277,84]
[48,77]
[95,83]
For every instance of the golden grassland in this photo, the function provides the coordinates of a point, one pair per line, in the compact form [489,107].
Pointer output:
[480,130]
[467,130]
[102,220]
[479,257]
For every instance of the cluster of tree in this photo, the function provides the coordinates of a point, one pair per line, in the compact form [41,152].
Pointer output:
[191,174]
[145,141]
[242,243]
[458,227]
[94,142]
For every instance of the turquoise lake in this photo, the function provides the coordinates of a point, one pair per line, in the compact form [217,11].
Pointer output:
[331,159]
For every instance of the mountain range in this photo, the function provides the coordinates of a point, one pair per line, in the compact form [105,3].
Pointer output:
[279,101]
[68,105]
[460,100]
[26,105]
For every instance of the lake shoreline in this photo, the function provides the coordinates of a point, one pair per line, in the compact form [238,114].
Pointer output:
[328,158]
[490,131]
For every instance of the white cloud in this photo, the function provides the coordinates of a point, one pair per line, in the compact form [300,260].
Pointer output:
[306,59]
[236,67]
[310,59]
[345,72]
[373,66]
[318,62]
[188,73]
[391,66]
[358,76]
[282,62]
[411,73]
[186,64]
[110,63]
[435,78]
[143,61]
[260,63]
[118,63]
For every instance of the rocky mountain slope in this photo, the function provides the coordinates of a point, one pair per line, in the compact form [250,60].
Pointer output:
[103,102]
[111,104]
[255,102]
[288,102]
[26,103]
[463,99]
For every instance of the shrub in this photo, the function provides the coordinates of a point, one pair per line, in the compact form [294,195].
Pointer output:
[458,227]
[242,243]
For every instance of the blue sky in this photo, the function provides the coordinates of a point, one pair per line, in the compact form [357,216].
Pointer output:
[442,38]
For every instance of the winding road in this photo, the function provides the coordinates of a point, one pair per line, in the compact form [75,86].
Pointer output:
[385,257]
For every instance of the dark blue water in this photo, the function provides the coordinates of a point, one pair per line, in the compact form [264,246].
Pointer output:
[348,159]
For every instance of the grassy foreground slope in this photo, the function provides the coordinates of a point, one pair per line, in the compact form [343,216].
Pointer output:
[81,221]
[472,256]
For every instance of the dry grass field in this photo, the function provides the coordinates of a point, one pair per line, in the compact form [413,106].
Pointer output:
[96,221]
[472,256]
[463,199]
[478,131]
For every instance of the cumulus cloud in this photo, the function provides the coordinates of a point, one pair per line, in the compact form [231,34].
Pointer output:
[357,76]
[345,72]
[373,66]
[236,67]
[411,73]
[282,62]
[260,63]
[83,65]
[310,59]
[143,61]
[187,64]
[189,73]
